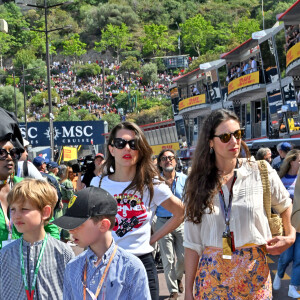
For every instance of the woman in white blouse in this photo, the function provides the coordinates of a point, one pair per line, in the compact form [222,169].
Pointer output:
[226,234]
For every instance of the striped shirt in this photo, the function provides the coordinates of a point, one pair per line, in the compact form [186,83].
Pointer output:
[126,278]
[49,283]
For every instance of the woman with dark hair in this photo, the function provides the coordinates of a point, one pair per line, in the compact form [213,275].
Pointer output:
[226,234]
[133,180]
[288,174]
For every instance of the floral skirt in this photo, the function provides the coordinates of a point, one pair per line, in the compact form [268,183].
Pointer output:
[245,276]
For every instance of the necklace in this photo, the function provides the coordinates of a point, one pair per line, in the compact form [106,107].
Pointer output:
[3,182]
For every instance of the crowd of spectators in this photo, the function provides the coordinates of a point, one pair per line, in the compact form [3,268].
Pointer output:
[292,36]
[235,71]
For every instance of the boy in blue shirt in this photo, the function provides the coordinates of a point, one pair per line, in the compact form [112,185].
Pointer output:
[104,270]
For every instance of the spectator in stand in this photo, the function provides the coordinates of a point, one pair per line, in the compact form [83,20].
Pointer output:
[171,245]
[264,153]
[283,149]
[288,174]
[253,64]
[195,91]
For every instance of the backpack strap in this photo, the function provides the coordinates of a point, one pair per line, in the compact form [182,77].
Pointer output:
[262,165]
[100,181]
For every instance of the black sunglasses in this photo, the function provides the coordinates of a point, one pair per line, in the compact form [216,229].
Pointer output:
[120,143]
[225,137]
[14,153]
[165,158]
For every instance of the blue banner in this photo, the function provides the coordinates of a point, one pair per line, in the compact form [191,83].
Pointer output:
[65,133]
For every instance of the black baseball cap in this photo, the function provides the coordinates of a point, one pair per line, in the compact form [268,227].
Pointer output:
[89,202]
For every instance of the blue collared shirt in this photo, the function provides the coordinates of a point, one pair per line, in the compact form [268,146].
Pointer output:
[177,190]
[126,278]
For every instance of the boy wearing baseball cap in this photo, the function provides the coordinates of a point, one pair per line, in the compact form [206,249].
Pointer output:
[104,270]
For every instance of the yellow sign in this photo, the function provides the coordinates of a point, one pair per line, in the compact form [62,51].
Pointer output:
[70,153]
[188,102]
[157,148]
[293,54]
[243,81]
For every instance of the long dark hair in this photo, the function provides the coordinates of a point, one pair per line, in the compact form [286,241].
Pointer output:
[204,178]
[145,168]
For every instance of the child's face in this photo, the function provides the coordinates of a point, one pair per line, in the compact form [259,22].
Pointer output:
[26,217]
[86,234]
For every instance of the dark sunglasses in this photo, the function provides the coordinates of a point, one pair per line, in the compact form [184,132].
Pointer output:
[165,158]
[14,153]
[225,137]
[121,143]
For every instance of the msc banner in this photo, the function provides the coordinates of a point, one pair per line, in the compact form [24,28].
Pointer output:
[293,54]
[195,100]
[246,80]
[65,133]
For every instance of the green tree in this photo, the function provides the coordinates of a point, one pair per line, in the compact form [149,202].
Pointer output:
[105,14]
[149,73]
[115,37]
[157,40]
[130,64]
[74,47]
[7,100]
[244,28]
[67,115]
[112,120]
[23,57]
[195,33]
[37,70]
[87,70]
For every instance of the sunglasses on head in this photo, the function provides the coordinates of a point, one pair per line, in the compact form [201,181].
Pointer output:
[14,153]
[120,143]
[225,137]
[165,158]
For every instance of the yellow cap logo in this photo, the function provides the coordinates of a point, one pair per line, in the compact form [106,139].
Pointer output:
[72,201]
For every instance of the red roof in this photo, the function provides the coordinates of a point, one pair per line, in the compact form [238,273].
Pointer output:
[186,74]
[289,9]
[225,54]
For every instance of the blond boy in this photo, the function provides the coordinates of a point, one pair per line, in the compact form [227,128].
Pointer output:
[32,267]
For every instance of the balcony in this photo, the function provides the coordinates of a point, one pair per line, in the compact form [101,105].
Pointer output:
[194,106]
[247,88]
[293,60]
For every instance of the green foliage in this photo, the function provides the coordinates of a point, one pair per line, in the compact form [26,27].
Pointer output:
[84,97]
[90,117]
[10,80]
[152,115]
[67,115]
[74,47]
[97,17]
[38,99]
[115,37]
[82,113]
[196,33]
[130,64]
[149,73]
[157,40]
[23,57]
[73,101]
[110,78]
[37,70]
[244,28]
[7,100]
[87,70]
[122,101]
[112,120]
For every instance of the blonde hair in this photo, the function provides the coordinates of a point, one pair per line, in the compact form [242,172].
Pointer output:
[286,164]
[39,192]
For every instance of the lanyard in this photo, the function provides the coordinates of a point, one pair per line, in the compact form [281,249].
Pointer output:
[226,210]
[94,296]
[31,293]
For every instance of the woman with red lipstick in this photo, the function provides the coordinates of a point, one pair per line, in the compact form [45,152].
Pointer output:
[226,234]
[133,180]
